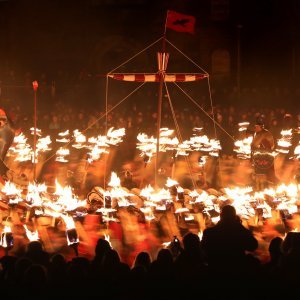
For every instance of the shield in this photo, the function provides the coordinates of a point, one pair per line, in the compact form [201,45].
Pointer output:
[263,161]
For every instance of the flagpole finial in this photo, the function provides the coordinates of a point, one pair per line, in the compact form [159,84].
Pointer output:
[35,85]
[165,29]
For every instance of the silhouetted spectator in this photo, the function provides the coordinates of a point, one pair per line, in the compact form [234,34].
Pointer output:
[162,268]
[226,243]
[57,271]
[102,247]
[35,280]
[7,269]
[21,266]
[142,259]
[291,262]
[272,269]
[189,266]
[275,250]
[37,254]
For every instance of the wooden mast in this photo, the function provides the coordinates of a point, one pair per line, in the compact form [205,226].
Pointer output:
[162,58]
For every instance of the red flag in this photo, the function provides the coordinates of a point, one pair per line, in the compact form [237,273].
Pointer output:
[180,22]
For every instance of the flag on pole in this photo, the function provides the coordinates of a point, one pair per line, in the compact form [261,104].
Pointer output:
[180,22]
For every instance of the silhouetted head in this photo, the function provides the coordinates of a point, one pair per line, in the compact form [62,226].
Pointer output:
[7,261]
[275,246]
[111,259]
[191,241]
[34,246]
[228,213]
[58,259]
[142,259]
[165,256]
[102,247]
[287,243]
[36,275]
[21,265]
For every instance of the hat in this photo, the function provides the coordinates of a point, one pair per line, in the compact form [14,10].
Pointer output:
[2,114]
[259,121]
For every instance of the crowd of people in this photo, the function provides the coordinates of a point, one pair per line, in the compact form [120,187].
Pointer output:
[136,119]
[223,262]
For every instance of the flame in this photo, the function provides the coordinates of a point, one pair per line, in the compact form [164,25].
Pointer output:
[147,145]
[200,235]
[34,194]
[10,189]
[297,151]
[243,126]
[107,238]
[70,228]
[285,141]
[114,180]
[243,147]
[66,199]
[166,244]
[180,189]
[43,144]
[38,131]
[3,239]
[171,182]
[61,154]
[32,236]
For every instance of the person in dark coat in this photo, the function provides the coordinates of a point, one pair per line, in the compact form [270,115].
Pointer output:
[226,244]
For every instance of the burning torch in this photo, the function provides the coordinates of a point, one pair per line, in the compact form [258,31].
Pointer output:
[71,233]
[7,239]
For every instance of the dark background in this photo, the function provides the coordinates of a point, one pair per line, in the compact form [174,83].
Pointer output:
[70,44]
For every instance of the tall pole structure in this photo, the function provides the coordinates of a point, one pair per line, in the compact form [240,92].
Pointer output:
[238,64]
[35,87]
[162,59]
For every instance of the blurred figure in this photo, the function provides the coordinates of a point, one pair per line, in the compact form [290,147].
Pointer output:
[7,135]
[262,147]
[288,140]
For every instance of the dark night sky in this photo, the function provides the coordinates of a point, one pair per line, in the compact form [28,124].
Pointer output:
[62,29]
[97,35]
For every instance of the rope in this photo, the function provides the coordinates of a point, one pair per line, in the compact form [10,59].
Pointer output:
[104,115]
[179,133]
[187,57]
[135,55]
[214,121]
[212,109]
[170,102]
[194,101]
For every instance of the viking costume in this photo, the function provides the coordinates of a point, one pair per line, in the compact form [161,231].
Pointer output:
[262,158]
[7,135]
